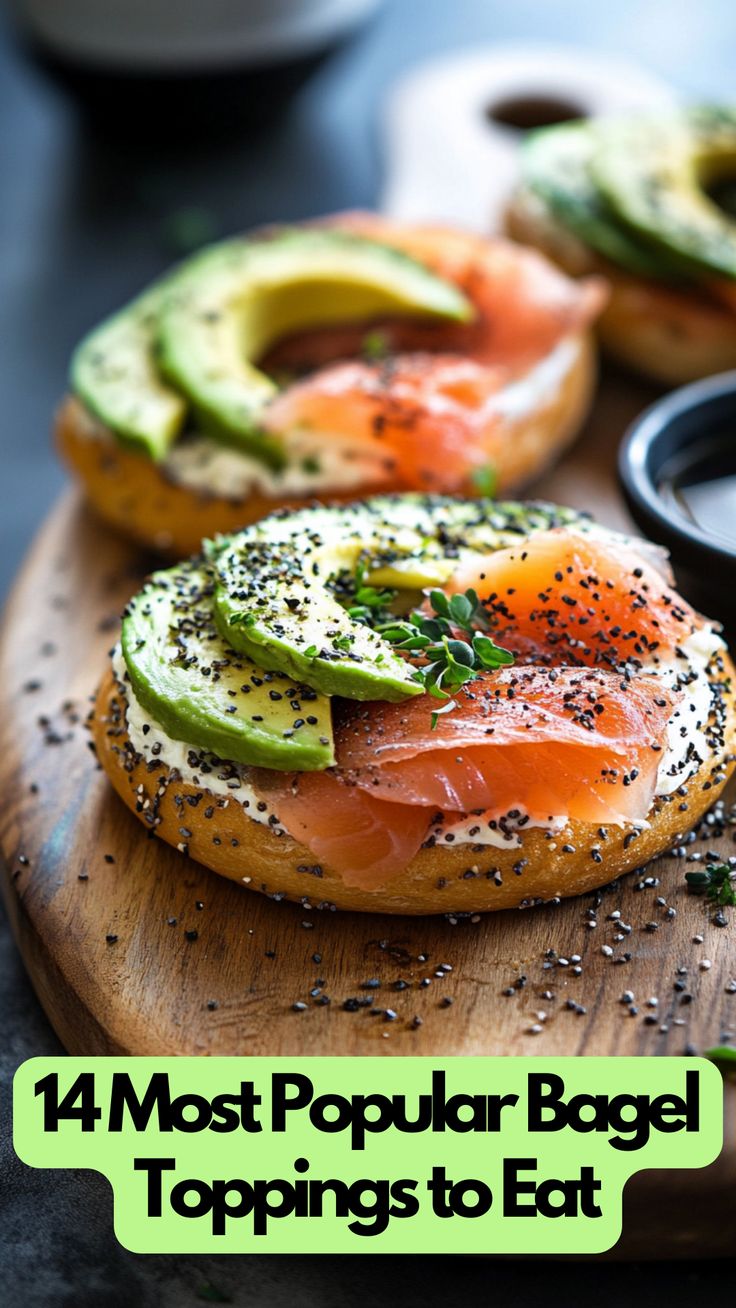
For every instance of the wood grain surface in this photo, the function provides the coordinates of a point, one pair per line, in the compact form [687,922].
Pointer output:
[133,948]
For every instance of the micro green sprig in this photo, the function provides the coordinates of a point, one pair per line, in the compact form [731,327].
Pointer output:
[375,347]
[717,881]
[369,604]
[450,662]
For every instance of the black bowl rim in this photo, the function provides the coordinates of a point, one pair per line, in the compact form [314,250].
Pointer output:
[636,474]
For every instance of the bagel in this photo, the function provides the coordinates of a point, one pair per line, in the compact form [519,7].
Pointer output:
[460,879]
[418,704]
[334,359]
[671,334]
[143,500]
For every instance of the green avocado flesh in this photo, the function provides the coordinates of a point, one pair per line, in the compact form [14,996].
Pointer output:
[113,371]
[557,165]
[192,342]
[202,691]
[234,301]
[237,654]
[633,189]
[653,174]
[275,594]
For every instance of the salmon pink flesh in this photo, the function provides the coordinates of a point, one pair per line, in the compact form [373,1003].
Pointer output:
[422,421]
[563,596]
[582,742]
[364,839]
[524,305]
[427,415]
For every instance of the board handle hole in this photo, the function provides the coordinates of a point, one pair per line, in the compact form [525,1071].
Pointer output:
[524,112]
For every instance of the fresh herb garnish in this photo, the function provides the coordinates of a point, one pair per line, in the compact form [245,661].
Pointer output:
[449,662]
[310,463]
[369,604]
[438,713]
[375,346]
[485,481]
[451,643]
[717,881]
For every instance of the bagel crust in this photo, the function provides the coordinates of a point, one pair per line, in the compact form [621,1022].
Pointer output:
[135,496]
[670,334]
[457,879]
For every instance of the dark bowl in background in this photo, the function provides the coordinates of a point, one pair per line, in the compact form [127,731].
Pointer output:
[656,448]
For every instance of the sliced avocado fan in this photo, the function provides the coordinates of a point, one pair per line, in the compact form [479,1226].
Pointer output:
[275,594]
[557,164]
[653,172]
[201,691]
[113,371]
[193,340]
[228,305]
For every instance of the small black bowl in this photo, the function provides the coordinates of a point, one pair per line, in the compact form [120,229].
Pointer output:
[669,459]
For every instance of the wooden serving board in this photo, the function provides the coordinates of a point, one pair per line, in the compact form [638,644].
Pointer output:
[81,869]
[135,949]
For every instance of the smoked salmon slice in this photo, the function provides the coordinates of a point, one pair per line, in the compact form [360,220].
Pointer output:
[524,305]
[365,839]
[418,421]
[562,596]
[583,736]
[551,743]
[427,414]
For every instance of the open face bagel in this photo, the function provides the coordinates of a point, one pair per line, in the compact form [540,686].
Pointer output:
[637,199]
[141,500]
[418,704]
[330,360]
[672,334]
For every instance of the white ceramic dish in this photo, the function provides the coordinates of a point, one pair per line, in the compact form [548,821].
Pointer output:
[188,35]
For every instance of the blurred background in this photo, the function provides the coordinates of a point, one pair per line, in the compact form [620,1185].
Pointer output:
[109,171]
[132,131]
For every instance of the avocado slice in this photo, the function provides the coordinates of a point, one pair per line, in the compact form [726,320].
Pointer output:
[225,307]
[113,371]
[275,598]
[203,692]
[653,172]
[557,165]
[196,333]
